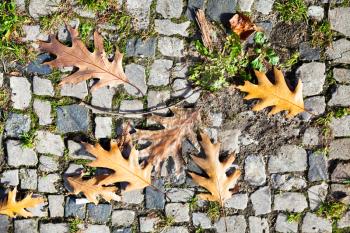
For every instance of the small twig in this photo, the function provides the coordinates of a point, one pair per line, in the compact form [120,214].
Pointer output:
[205,28]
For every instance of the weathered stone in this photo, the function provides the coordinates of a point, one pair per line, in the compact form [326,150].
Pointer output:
[342,75]
[230,140]
[123,218]
[341,192]
[245,5]
[237,201]
[130,107]
[96,228]
[160,72]
[9,177]
[218,9]
[133,197]
[141,48]
[103,127]
[341,172]
[179,194]
[54,228]
[137,76]
[168,28]
[170,8]
[78,90]
[192,6]
[28,178]
[63,34]
[308,52]
[341,126]
[231,224]
[32,32]
[284,226]
[37,66]
[17,124]
[261,200]
[71,209]
[48,164]
[4,223]
[316,105]
[56,205]
[339,52]
[72,118]
[77,151]
[317,194]
[290,201]
[258,225]
[311,137]
[317,167]
[38,8]
[157,99]
[344,221]
[47,184]
[26,225]
[103,97]
[39,210]
[341,96]
[180,70]
[20,6]
[178,211]
[312,223]
[182,88]
[42,86]
[313,76]
[148,224]
[18,155]
[315,12]
[99,213]
[289,158]
[43,111]
[287,182]
[21,93]
[201,220]
[254,168]
[155,198]
[140,10]
[171,47]
[179,229]
[49,143]
[73,169]
[340,149]
[340,20]
[215,118]
[264,6]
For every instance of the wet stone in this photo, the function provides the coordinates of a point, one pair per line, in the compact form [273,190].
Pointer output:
[340,20]
[232,224]
[339,52]
[9,177]
[99,213]
[71,209]
[137,76]
[103,127]
[123,218]
[43,111]
[264,6]
[78,90]
[47,184]
[341,172]
[341,96]
[54,228]
[312,223]
[26,225]
[49,143]
[284,226]
[290,201]
[28,178]
[308,52]
[72,118]
[169,8]
[317,167]
[141,48]
[160,72]
[21,93]
[154,198]
[140,10]
[178,211]
[261,200]
[218,9]
[43,87]
[317,194]
[168,28]
[258,225]
[18,155]
[254,170]
[315,105]
[311,137]
[17,124]
[289,158]
[340,149]
[342,75]
[340,126]
[313,76]
[237,201]
[56,205]
[171,47]
[287,182]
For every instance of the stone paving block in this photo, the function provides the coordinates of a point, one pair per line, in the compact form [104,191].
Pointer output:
[179,229]
[315,12]
[155,199]
[287,182]
[141,48]
[43,111]
[341,172]
[340,126]
[264,6]
[171,47]
[56,205]
[39,210]
[4,223]
[49,143]
[341,96]
[317,194]
[73,118]
[290,201]
[339,52]
[78,90]
[340,20]
[344,221]
[315,105]
[284,226]
[123,218]
[158,99]
[309,52]
[170,8]
[261,200]
[254,168]
[26,225]
[38,8]
[217,9]
[342,75]
[17,124]
[168,28]
[48,164]
[71,209]
[179,194]
[140,10]
[103,127]
[103,97]
[97,228]
[289,158]
[43,87]
[77,151]
[340,149]
[313,76]
[311,137]
[312,223]
[160,72]
[21,93]
[137,77]
[179,211]
[258,225]
[54,228]
[235,224]
[47,184]
[192,6]
[9,177]
[28,178]
[133,197]
[245,5]
[238,201]
[148,224]
[18,155]
[201,220]
[99,213]
[317,167]
[341,193]
[130,106]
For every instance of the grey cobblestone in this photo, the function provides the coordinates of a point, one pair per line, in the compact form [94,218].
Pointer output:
[28,178]
[21,93]
[261,200]
[19,155]
[290,201]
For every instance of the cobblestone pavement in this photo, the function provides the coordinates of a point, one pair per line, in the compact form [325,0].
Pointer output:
[293,174]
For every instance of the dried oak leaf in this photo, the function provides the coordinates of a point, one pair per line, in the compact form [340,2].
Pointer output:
[90,64]
[277,95]
[12,208]
[92,189]
[124,170]
[242,26]
[167,142]
[220,185]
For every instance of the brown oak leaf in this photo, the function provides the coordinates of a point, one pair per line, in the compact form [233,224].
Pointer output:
[242,26]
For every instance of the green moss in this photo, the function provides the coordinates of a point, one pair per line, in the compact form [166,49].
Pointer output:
[291,10]
[74,225]
[322,34]
[4,97]
[193,203]
[165,222]
[291,61]
[213,211]
[332,210]
[294,217]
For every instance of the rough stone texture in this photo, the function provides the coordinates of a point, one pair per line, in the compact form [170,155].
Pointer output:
[123,218]
[290,201]
[182,88]
[308,52]
[56,205]
[179,229]
[140,10]
[26,225]
[171,47]
[1,79]
[103,127]
[344,221]
[168,28]
[17,124]
[340,149]
[235,224]
[341,172]
[201,220]
[21,93]
[28,178]
[32,32]
[340,20]
[339,52]
[317,194]
[73,118]
[284,226]
[133,197]
[42,86]
[245,5]
[237,201]
[48,164]
[169,8]
[341,96]
[160,72]
[218,9]
[137,76]
[49,143]
[254,168]
[98,213]
[178,211]
[9,177]
[78,90]
[77,151]
[71,209]
[313,76]
[130,106]
[342,75]
[154,198]
[340,126]
[289,158]
[158,99]
[47,184]
[4,223]
[147,224]
[316,105]
[38,8]
[179,194]
[19,155]
[287,182]
[312,223]
[264,6]
[317,167]
[54,228]
[341,192]
[315,12]
[36,67]
[103,97]
[96,228]
[261,200]
[311,137]
[43,111]
[258,225]
[142,48]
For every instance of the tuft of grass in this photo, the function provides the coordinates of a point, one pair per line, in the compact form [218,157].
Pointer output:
[294,217]
[85,30]
[4,97]
[332,210]
[199,230]
[165,222]
[291,61]
[322,34]
[291,10]
[74,225]
[193,203]
[97,5]
[27,139]
[213,210]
